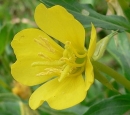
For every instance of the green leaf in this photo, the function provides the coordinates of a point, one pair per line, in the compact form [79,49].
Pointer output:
[12,105]
[48,111]
[9,97]
[5,35]
[75,110]
[101,46]
[125,7]
[87,1]
[4,85]
[120,49]
[107,22]
[9,104]
[118,105]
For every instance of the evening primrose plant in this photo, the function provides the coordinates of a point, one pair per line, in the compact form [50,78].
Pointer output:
[65,71]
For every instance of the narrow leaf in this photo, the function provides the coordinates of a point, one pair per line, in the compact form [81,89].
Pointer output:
[125,7]
[107,22]
[121,52]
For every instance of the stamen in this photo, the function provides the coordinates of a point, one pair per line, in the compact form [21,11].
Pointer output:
[44,56]
[48,63]
[71,64]
[50,72]
[49,46]
[45,43]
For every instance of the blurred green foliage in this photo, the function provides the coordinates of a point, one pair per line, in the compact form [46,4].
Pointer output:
[16,15]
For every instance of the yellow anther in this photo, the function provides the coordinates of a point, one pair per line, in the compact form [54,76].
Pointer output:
[48,45]
[50,71]
[45,43]
[48,63]
[44,56]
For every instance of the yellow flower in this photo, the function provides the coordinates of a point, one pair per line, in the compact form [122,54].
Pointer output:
[41,60]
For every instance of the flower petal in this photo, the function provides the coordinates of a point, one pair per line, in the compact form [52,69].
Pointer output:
[92,44]
[59,95]
[60,24]
[89,75]
[23,71]
[31,42]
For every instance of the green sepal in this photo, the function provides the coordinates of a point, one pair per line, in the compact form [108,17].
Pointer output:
[101,46]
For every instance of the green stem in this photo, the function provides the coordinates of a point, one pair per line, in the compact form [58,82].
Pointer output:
[119,78]
[103,80]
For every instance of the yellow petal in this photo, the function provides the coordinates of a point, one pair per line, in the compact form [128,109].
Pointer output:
[23,71]
[33,42]
[60,24]
[92,44]
[59,95]
[89,75]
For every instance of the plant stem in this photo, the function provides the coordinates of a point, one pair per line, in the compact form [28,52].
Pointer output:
[119,78]
[104,80]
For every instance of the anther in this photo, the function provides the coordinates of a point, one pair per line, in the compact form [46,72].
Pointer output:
[50,71]
[44,56]
[44,43]
[48,63]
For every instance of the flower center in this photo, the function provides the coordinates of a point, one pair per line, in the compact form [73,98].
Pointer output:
[70,64]
[74,62]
